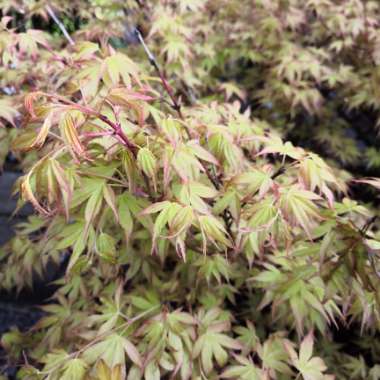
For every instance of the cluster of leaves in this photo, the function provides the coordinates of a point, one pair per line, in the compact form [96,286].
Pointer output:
[307,66]
[199,244]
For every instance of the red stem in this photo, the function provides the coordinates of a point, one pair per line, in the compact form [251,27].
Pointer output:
[89,111]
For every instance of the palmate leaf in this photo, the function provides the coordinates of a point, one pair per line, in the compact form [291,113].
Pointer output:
[247,336]
[245,370]
[113,350]
[65,180]
[213,230]
[171,214]
[185,163]
[222,146]
[316,172]
[276,145]
[201,152]
[212,346]
[54,359]
[103,372]
[106,247]
[119,66]
[213,342]
[263,222]
[254,181]
[311,368]
[28,184]
[168,338]
[68,124]
[131,211]
[74,369]
[215,266]
[273,355]
[193,193]
[147,163]
[176,49]
[230,200]
[303,293]
[172,129]
[355,366]
[299,208]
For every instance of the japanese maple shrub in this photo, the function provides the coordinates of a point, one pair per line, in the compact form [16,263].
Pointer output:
[200,244]
[196,243]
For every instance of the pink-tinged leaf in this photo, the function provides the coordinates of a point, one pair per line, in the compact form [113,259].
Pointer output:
[155,207]
[133,353]
[29,102]
[109,197]
[8,111]
[43,132]
[288,345]
[181,221]
[306,348]
[93,206]
[276,145]
[125,96]
[299,208]
[373,181]
[329,195]
[65,185]
[68,126]
[27,192]
[202,153]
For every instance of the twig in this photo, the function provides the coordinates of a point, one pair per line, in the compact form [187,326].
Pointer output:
[227,217]
[60,25]
[118,132]
[281,170]
[364,229]
[176,106]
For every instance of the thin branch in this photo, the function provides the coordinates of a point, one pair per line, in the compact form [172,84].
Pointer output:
[60,25]
[227,217]
[364,229]
[175,104]
[89,111]
[118,131]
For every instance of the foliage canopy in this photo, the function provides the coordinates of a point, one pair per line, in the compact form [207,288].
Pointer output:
[198,243]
